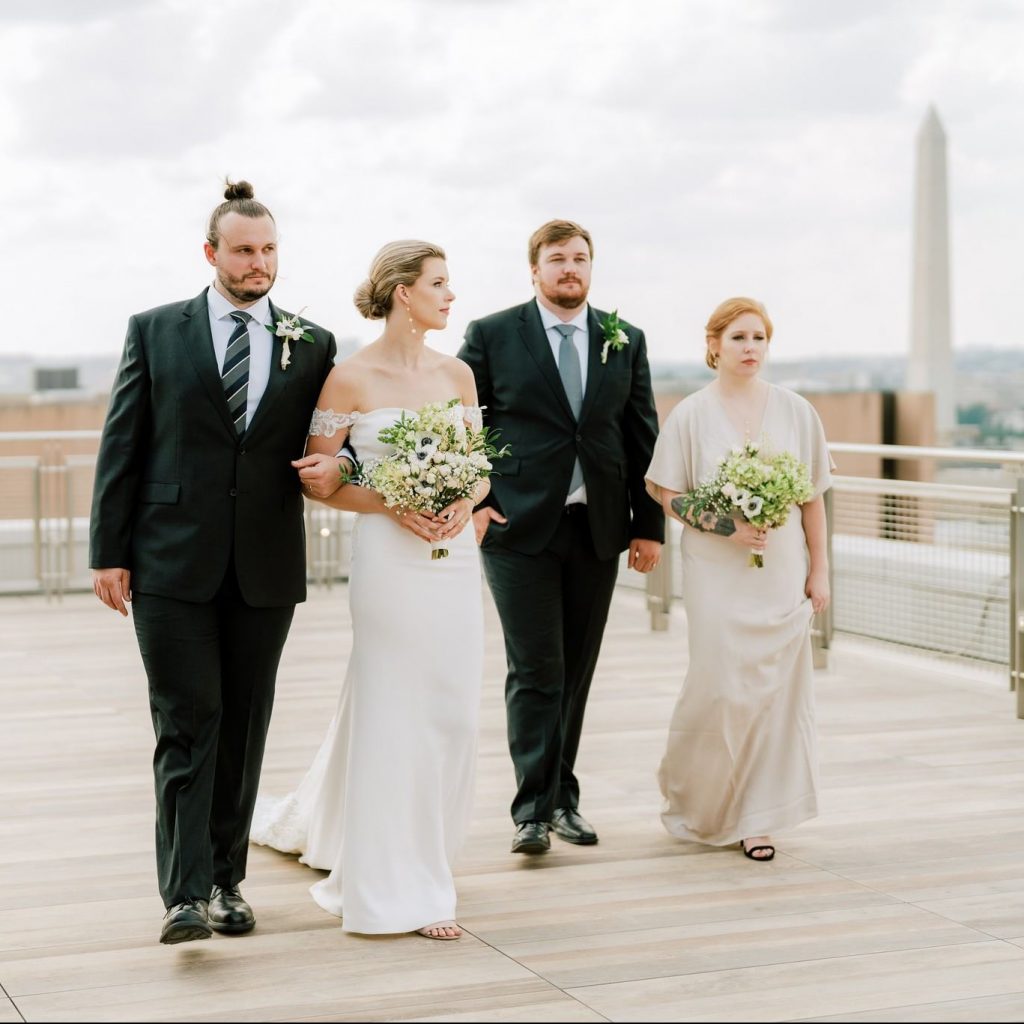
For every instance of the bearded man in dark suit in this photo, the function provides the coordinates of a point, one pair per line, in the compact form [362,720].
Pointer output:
[569,389]
[197,520]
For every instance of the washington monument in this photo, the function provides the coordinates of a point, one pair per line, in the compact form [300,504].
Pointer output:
[931,355]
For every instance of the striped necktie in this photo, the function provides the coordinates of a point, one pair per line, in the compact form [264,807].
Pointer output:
[235,376]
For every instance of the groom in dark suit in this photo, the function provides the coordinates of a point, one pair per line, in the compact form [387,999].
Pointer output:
[570,392]
[197,520]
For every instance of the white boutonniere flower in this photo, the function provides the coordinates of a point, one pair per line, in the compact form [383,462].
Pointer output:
[614,336]
[290,329]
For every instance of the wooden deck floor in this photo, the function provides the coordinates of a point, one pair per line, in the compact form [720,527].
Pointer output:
[903,901]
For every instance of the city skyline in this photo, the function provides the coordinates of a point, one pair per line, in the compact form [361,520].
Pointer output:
[763,147]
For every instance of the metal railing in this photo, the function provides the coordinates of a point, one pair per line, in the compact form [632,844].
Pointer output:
[934,566]
[45,496]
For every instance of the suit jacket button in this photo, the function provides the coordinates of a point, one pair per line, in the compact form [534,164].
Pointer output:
[241,451]
[579,437]
[233,492]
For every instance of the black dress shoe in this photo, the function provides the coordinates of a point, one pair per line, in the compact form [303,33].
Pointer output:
[229,913]
[531,837]
[185,921]
[568,823]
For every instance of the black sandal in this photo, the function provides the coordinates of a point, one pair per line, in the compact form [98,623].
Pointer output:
[757,849]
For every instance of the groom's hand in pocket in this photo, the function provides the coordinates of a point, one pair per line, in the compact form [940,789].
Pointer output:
[113,587]
[482,520]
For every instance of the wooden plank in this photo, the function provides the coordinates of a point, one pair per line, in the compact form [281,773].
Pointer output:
[903,898]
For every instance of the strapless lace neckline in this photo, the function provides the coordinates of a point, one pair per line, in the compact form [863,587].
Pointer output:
[327,422]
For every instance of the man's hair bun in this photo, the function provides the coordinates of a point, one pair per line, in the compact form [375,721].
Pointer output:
[239,190]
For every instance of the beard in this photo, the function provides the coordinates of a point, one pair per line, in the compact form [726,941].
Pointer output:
[563,298]
[245,289]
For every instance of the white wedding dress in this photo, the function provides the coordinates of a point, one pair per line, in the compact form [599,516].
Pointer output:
[386,803]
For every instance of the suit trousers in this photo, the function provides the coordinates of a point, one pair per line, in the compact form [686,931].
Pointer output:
[212,669]
[553,607]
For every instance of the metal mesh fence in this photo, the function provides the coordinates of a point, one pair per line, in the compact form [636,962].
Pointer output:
[923,565]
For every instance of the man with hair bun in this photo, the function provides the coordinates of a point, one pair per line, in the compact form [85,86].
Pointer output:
[197,521]
[569,388]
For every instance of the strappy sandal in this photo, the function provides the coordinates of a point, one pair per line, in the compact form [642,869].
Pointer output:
[427,929]
[749,852]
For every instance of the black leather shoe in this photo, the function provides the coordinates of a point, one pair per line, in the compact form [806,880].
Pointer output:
[571,826]
[229,913]
[185,921]
[531,837]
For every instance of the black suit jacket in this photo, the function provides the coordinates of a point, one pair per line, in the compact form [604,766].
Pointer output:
[518,384]
[177,492]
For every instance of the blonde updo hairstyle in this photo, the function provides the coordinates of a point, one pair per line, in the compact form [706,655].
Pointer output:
[396,263]
[724,314]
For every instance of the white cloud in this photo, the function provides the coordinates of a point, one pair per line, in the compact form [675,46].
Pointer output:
[712,148]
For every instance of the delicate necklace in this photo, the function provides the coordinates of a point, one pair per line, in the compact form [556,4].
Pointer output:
[737,408]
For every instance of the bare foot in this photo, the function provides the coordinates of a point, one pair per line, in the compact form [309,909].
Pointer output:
[758,848]
[441,930]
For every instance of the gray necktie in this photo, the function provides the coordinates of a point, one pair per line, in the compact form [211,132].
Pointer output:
[235,375]
[572,381]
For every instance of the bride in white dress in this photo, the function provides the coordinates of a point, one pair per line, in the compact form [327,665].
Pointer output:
[386,803]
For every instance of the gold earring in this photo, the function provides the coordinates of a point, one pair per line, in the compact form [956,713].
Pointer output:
[408,311]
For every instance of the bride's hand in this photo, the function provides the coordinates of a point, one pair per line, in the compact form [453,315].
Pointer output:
[452,520]
[415,522]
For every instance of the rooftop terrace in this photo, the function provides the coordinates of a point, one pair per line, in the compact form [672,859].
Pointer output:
[903,901]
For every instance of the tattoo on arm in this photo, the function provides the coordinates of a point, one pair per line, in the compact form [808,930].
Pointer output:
[723,526]
[706,522]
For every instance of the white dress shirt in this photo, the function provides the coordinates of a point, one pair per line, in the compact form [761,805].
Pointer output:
[261,342]
[581,339]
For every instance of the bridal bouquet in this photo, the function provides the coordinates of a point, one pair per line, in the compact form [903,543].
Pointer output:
[763,488]
[437,459]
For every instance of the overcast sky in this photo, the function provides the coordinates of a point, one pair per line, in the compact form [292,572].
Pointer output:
[712,147]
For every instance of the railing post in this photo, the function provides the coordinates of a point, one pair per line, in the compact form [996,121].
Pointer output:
[69,536]
[1017,596]
[822,625]
[37,519]
[658,585]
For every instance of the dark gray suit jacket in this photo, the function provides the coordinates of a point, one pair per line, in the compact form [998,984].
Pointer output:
[177,492]
[518,383]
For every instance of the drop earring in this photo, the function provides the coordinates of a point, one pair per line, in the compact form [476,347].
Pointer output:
[408,311]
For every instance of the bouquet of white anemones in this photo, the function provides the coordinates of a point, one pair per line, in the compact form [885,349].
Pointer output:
[762,487]
[437,459]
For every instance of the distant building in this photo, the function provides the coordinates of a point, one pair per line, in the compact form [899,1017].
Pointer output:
[56,378]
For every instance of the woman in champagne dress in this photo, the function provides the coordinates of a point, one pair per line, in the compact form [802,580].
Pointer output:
[741,760]
[386,803]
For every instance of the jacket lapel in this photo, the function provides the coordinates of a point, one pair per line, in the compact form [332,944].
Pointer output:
[278,379]
[595,368]
[535,338]
[195,332]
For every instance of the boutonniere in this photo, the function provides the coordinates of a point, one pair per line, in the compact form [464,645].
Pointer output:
[289,328]
[614,336]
